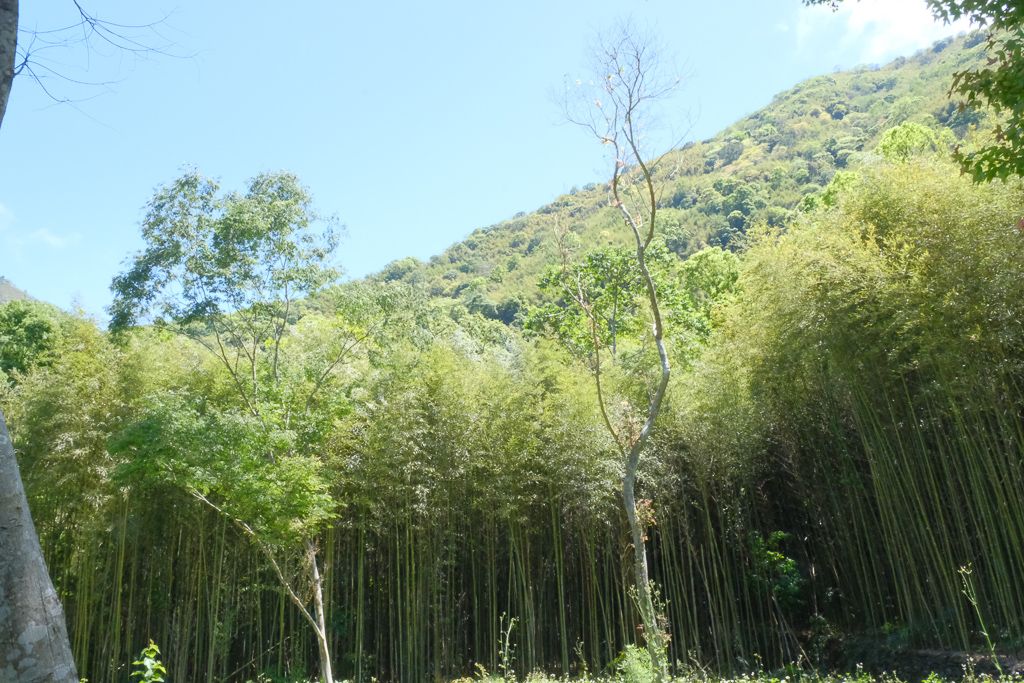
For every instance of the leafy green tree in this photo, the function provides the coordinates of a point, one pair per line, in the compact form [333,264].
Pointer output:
[226,271]
[909,139]
[401,268]
[599,304]
[30,334]
[840,184]
[675,228]
[591,305]
[730,151]
[706,279]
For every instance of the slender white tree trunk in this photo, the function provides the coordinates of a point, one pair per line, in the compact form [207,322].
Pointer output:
[653,635]
[326,672]
[34,645]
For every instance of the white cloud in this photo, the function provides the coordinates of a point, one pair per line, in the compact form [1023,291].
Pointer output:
[14,240]
[881,29]
[54,240]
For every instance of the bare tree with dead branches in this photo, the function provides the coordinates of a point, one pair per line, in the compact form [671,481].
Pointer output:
[614,107]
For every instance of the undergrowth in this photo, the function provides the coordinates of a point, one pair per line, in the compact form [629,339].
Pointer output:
[636,674]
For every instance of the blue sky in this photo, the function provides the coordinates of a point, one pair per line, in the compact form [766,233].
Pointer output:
[414,123]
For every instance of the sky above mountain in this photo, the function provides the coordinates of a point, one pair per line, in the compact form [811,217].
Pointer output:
[413,123]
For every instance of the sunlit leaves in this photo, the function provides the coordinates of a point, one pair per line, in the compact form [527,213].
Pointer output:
[30,334]
[998,85]
[599,305]
[252,473]
[210,255]
[909,139]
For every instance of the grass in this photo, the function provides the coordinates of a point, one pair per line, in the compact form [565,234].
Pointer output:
[858,676]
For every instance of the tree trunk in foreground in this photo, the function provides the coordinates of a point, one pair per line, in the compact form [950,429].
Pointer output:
[34,645]
[326,672]
[8,43]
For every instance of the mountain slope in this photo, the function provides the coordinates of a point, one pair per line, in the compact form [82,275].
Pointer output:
[756,171]
[8,292]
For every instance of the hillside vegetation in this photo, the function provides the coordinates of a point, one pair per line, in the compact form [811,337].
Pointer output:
[8,292]
[759,170]
[421,460]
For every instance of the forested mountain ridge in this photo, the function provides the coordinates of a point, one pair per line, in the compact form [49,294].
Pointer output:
[837,466]
[757,170]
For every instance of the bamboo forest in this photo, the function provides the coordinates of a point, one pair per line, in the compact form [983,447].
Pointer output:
[750,408]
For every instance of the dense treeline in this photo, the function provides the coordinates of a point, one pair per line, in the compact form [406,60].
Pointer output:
[843,436]
[868,380]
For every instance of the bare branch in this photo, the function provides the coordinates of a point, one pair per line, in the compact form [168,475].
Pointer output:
[37,54]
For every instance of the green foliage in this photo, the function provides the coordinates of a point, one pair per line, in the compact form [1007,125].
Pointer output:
[600,304]
[730,151]
[251,472]
[31,334]
[845,356]
[708,277]
[209,256]
[997,84]
[595,303]
[150,669]
[777,157]
[843,434]
[842,182]
[790,674]
[400,269]
[908,140]
[775,572]
[633,665]
[62,412]
[225,272]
